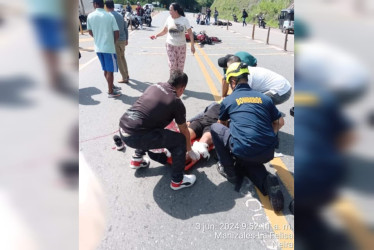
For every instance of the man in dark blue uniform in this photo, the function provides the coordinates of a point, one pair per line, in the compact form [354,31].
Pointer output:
[250,140]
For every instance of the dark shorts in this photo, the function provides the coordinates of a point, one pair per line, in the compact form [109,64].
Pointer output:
[202,125]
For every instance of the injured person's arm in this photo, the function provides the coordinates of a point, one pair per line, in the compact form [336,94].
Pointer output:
[190,152]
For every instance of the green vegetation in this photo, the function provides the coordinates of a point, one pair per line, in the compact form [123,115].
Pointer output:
[271,9]
[133,2]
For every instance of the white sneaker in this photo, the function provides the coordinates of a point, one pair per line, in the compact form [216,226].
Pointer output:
[188,181]
[139,162]
[202,148]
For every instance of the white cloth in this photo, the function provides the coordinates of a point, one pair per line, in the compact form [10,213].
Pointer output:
[201,148]
[176,30]
[195,156]
[263,80]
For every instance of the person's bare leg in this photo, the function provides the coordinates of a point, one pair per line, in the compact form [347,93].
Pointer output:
[51,59]
[206,138]
[109,79]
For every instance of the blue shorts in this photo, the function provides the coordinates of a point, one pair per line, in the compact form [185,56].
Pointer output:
[50,32]
[108,61]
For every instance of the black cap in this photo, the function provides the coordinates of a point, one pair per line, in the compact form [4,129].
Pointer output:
[222,62]
[109,4]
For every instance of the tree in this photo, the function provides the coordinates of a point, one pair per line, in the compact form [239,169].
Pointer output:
[205,3]
[120,1]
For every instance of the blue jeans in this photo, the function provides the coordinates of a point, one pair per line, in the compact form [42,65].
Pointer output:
[252,167]
[161,138]
[140,20]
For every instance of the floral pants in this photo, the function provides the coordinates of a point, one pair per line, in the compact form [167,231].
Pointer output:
[176,56]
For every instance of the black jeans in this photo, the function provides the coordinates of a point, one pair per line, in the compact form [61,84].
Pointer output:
[161,138]
[252,167]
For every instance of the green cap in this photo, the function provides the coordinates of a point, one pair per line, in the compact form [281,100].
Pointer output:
[247,58]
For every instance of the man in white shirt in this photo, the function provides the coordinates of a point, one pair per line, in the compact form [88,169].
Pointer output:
[269,83]
[265,81]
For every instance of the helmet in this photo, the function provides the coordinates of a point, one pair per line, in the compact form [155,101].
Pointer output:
[236,69]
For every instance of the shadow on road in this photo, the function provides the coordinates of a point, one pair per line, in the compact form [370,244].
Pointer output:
[198,95]
[153,28]
[142,86]
[203,198]
[85,96]
[286,144]
[134,84]
[12,89]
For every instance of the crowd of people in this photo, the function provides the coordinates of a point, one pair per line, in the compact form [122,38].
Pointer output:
[243,126]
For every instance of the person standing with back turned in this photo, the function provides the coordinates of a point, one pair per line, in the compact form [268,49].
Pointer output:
[215,16]
[103,27]
[244,16]
[121,42]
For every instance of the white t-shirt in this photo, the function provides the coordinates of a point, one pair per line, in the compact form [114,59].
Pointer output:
[263,80]
[176,30]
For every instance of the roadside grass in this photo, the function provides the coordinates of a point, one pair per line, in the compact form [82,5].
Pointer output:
[271,9]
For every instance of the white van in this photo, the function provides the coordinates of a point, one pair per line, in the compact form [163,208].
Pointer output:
[119,8]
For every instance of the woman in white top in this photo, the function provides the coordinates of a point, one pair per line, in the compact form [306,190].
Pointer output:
[176,25]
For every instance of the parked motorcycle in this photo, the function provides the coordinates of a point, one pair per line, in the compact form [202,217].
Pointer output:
[147,19]
[261,22]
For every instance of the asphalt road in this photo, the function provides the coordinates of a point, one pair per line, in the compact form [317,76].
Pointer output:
[143,212]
